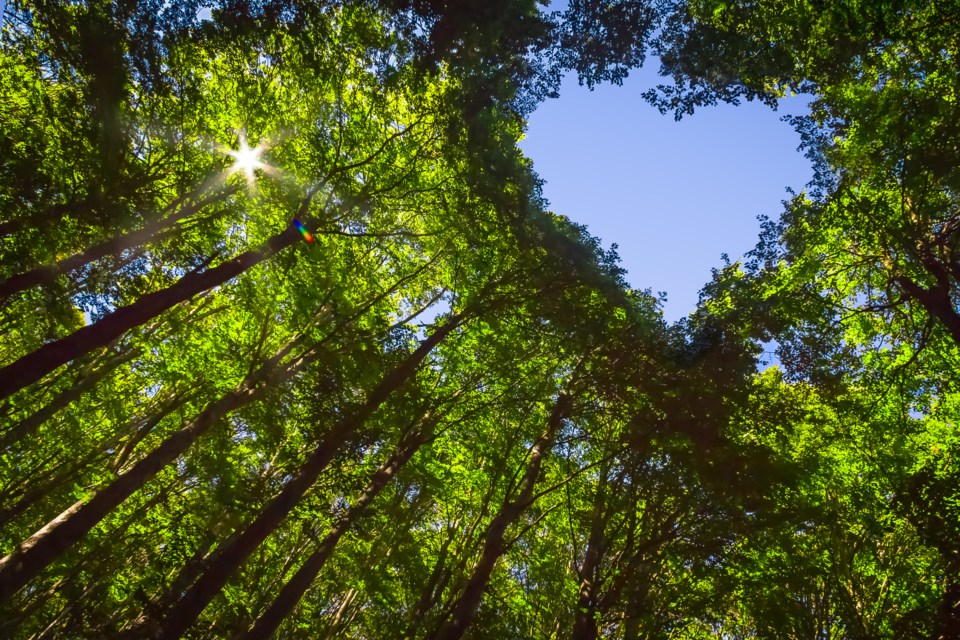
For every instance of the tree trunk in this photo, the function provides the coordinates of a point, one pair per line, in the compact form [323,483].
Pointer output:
[585,622]
[947,624]
[39,363]
[493,547]
[142,428]
[427,596]
[937,303]
[338,617]
[33,422]
[291,593]
[33,494]
[47,544]
[8,627]
[113,247]
[227,561]
[192,568]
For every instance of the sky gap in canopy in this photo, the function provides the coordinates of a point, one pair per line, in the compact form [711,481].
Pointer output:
[673,195]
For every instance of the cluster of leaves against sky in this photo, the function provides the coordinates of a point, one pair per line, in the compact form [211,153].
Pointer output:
[448,416]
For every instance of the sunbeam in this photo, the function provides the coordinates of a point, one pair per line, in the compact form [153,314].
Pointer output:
[247,159]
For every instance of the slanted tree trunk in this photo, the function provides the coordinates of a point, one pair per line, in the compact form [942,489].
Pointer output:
[47,544]
[9,627]
[229,559]
[115,246]
[291,593]
[31,423]
[428,596]
[141,429]
[45,477]
[42,361]
[494,547]
[30,495]
[937,303]
[348,599]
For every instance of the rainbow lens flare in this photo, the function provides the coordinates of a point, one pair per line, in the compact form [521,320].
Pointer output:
[303,230]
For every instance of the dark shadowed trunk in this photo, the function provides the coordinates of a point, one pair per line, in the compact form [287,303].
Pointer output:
[428,595]
[101,549]
[229,559]
[585,620]
[47,544]
[142,428]
[494,544]
[947,624]
[45,477]
[937,302]
[41,489]
[293,591]
[32,422]
[39,363]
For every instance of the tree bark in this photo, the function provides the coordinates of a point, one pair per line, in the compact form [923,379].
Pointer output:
[494,547]
[42,361]
[229,559]
[427,596]
[937,303]
[142,429]
[47,544]
[291,593]
[41,489]
[46,274]
[585,623]
[8,627]
[947,623]
[33,422]
[338,616]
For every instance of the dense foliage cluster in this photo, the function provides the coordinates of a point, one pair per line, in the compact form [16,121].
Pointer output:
[446,415]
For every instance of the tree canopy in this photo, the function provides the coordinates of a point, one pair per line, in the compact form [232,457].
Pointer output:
[293,346]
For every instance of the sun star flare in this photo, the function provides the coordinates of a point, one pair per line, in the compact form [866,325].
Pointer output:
[246,159]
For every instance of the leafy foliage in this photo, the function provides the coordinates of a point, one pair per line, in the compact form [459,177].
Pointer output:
[448,416]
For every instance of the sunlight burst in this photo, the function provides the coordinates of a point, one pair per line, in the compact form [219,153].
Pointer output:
[246,159]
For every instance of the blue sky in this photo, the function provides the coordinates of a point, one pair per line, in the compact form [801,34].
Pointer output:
[672,195]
